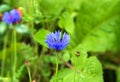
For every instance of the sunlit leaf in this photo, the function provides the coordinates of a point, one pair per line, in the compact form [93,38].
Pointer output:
[22,29]
[92,72]
[3,28]
[97,26]
[40,37]
[66,21]
[79,57]
[4,7]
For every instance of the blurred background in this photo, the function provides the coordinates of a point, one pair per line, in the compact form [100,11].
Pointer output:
[92,24]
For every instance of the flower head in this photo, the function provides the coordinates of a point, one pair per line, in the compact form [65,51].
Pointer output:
[11,17]
[57,41]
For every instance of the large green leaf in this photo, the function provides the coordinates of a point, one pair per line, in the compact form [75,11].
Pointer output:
[96,25]
[74,4]
[84,69]
[93,68]
[92,72]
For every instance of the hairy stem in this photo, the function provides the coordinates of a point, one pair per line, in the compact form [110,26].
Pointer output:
[15,55]
[29,73]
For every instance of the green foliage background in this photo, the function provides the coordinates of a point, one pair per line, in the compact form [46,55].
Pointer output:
[94,28]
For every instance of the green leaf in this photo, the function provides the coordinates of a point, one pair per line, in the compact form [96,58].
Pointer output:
[53,8]
[66,21]
[101,39]
[70,75]
[20,71]
[61,75]
[22,29]
[97,25]
[26,51]
[93,67]
[40,36]
[84,69]
[3,28]
[4,7]
[79,57]
[66,56]
[75,4]
[5,79]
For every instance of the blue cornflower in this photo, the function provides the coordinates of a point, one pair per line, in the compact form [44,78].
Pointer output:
[11,17]
[57,41]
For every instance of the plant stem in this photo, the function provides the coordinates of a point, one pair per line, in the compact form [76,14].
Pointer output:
[56,66]
[74,75]
[4,54]
[75,71]
[30,78]
[15,55]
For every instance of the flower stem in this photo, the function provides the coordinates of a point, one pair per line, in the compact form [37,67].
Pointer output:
[15,55]
[56,66]
[30,78]
[4,55]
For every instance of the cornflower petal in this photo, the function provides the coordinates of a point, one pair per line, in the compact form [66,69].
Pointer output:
[56,41]
[15,16]
[6,18]
[58,35]
[11,17]
[65,39]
